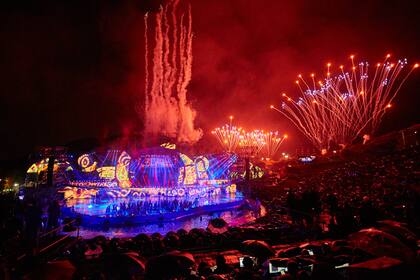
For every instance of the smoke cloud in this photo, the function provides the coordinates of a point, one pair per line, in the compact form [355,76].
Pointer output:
[167,75]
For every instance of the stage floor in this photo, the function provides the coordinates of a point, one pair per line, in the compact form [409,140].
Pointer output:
[149,206]
[124,217]
[233,217]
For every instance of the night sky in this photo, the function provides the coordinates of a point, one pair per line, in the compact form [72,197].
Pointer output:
[73,69]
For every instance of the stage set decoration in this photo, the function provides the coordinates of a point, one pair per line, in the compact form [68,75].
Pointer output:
[158,171]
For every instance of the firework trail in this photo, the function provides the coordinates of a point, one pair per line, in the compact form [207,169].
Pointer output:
[347,106]
[251,143]
[167,75]
[248,144]
[273,142]
[228,136]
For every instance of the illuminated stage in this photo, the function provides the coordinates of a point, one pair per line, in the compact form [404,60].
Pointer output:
[187,220]
[154,172]
[156,185]
[144,210]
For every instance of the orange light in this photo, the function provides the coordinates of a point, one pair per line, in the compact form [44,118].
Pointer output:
[297,82]
[289,99]
[312,75]
[230,117]
[283,94]
[328,64]
[314,101]
[352,56]
[285,136]
[361,93]
[416,65]
[341,66]
[388,55]
[389,106]
[300,76]
[378,64]
[271,107]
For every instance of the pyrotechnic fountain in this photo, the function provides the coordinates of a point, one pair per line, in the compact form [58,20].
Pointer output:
[234,139]
[228,137]
[350,105]
[251,143]
[168,62]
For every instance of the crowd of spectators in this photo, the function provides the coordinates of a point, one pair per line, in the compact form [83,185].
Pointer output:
[353,195]
[24,220]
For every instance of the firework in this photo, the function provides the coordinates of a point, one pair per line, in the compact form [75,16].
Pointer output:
[228,137]
[341,108]
[168,63]
[273,142]
[248,144]
[251,143]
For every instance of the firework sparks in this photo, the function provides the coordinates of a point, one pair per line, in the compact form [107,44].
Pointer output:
[251,143]
[341,108]
[168,73]
[273,142]
[248,144]
[228,137]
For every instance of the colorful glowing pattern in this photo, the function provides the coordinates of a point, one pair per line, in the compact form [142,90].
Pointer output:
[122,170]
[38,167]
[42,166]
[168,145]
[196,190]
[155,168]
[87,163]
[202,165]
[107,172]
